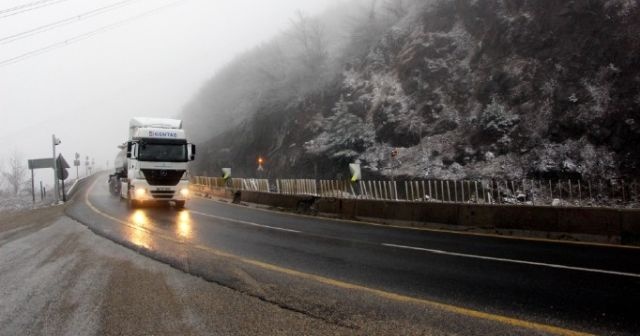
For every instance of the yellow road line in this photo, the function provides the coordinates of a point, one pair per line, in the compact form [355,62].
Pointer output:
[510,321]
[463,233]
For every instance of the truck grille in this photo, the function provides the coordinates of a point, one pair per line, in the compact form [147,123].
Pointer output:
[162,177]
[162,194]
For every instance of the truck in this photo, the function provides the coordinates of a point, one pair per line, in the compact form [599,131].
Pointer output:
[151,167]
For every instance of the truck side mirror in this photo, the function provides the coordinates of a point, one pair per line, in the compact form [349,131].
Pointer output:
[129,149]
[192,152]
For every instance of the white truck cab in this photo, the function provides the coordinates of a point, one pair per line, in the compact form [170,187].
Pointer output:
[152,165]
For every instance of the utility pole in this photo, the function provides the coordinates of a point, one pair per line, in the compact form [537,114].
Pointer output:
[33,188]
[54,142]
[76,163]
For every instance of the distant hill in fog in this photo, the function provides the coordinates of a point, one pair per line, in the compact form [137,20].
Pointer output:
[513,88]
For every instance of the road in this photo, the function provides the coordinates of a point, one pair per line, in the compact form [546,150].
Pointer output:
[339,270]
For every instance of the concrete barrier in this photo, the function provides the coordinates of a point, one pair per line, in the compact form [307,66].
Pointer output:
[630,227]
[214,192]
[617,225]
[278,200]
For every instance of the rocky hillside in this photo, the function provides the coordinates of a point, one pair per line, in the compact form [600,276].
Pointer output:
[511,88]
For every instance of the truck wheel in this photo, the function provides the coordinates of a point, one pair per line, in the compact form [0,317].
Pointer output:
[179,205]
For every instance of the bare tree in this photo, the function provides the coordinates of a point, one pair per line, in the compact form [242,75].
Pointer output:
[15,172]
[366,29]
[309,34]
[397,8]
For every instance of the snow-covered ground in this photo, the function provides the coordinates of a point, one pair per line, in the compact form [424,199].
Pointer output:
[59,278]
[22,202]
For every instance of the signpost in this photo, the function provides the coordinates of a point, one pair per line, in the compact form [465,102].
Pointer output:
[59,166]
[63,174]
[38,164]
[76,163]
[54,142]
[226,173]
[356,172]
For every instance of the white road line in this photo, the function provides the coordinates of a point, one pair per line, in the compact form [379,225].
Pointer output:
[244,222]
[464,255]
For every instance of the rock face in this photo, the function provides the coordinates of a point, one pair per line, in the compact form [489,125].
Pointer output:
[511,88]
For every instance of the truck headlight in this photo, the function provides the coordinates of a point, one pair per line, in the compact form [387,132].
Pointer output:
[140,192]
[184,192]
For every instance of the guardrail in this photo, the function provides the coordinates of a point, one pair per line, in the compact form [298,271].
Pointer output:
[590,193]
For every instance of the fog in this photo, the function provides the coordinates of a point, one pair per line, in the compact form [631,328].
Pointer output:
[85,92]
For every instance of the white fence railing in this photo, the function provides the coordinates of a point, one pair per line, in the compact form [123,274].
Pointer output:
[612,193]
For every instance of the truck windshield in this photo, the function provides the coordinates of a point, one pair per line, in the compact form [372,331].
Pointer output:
[162,152]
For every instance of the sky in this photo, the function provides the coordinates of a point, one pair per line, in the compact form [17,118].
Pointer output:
[152,61]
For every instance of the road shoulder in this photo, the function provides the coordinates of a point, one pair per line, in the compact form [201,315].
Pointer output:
[58,277]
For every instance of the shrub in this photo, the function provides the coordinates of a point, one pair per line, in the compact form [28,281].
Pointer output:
[496,121]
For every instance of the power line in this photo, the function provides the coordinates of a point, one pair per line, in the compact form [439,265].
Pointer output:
[84,36]
[28,7]
[12,9]
[60,23]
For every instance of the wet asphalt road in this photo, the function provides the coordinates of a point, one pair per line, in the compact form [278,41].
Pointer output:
[576,286]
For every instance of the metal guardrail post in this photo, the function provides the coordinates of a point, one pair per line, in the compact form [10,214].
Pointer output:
[475,184]
[455,191]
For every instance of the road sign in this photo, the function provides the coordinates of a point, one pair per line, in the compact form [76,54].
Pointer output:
[63,174]
[41,163]
[76,163]
[356,173]
[62,163]
[226,173]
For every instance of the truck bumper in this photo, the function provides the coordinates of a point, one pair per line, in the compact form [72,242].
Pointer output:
[142,192]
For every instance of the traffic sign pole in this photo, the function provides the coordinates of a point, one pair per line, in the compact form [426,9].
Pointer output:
[76,162]
[55,169]
[33,188]
[64,196]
